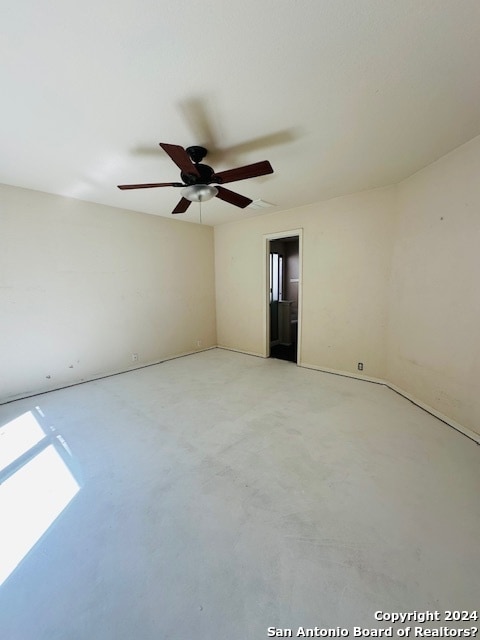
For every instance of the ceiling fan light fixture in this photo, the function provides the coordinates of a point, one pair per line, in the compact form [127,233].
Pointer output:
[199,192]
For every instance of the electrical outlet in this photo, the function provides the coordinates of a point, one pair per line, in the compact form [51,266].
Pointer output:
[199,343]
[134,357]
[360,366]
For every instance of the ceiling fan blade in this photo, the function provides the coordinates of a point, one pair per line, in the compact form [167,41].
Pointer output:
[196,112]
[233,198]
[203,118]
[242,173]
[180,158]
[182,206]
[150,185]
[256,144]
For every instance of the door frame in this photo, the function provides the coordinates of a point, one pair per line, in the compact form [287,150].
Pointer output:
[291,233]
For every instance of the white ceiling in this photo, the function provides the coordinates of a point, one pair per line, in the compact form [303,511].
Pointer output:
[339,95]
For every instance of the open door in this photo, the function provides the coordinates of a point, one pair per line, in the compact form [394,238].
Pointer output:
[283,304]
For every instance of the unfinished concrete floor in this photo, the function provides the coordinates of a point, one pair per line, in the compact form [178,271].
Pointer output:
[222,494]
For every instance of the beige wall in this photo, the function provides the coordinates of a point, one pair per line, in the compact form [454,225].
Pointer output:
[434,307]
[390,278]
[347,245]
[83,286]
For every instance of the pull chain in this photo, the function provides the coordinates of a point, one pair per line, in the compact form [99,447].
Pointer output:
[200,212]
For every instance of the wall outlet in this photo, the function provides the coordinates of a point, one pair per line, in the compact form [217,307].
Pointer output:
[134,357]
[360,366]
[199,343]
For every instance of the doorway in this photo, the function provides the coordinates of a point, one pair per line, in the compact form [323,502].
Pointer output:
[283,271]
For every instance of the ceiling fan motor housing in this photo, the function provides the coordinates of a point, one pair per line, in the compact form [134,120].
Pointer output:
[206,176]
[196,153]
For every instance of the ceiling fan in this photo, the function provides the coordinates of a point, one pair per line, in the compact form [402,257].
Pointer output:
[198,179]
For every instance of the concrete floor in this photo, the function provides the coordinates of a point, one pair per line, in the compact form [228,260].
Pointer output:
[222,494]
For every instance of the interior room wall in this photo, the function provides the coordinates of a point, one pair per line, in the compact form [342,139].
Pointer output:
[347,245]
[84,286]
[390,279]
[434,308]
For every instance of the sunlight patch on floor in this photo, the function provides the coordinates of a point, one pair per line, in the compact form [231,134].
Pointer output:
[17,437]
[34,495]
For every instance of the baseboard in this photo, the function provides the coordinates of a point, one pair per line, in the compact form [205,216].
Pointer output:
[31,394]
[436,414]
[247,353]
[348,374]
[338,372]
[421,405]
[472,435]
